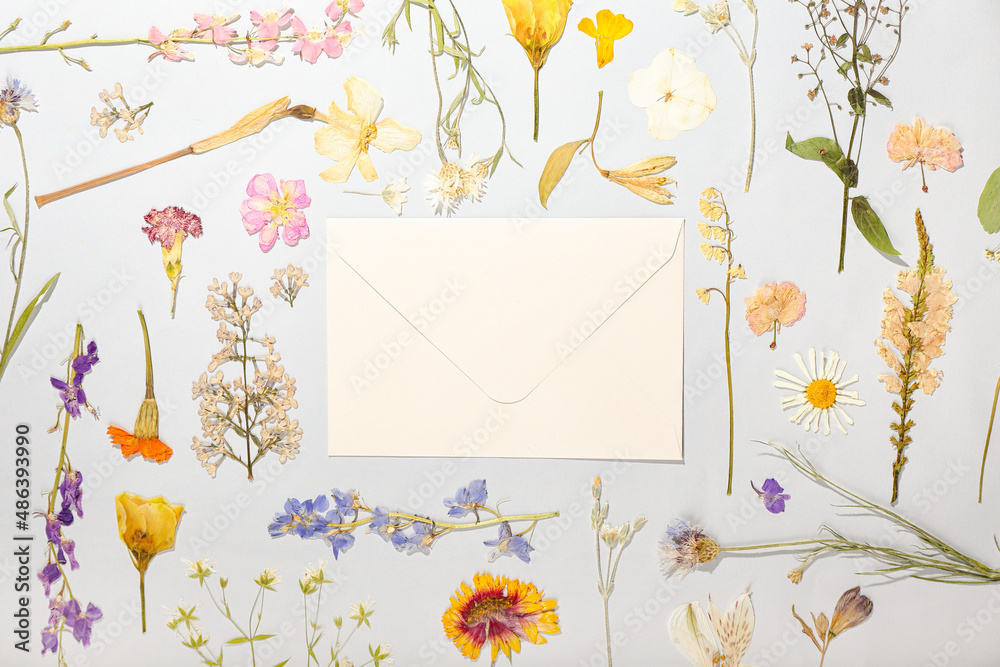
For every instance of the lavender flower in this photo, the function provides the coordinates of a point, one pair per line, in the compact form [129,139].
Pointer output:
[508,544]
[50,633]
[84,363]
[48,576]
[422,539]
[339,541]
[72,491]
[771,493]
[346,500]
[72,396]
[82,621]
[467,499]
[387,527]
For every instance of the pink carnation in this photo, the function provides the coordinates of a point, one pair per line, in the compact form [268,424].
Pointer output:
[775,305]
[270,208]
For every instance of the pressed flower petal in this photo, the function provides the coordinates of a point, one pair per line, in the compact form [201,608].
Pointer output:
[363,99]
[392,135]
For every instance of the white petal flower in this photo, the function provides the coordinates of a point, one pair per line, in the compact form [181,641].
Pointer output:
[692,632]
[734,629]
[821,395]
[675,94]
[692,635]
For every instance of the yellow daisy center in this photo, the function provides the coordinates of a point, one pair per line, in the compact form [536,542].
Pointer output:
[367,136]
[489,609]
[821,393]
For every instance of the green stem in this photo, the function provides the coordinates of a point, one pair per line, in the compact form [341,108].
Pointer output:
[729,364]
[753,124]
[777,545]
[989,432]
[149,356]
[142,596]
[8,344]
[535,136]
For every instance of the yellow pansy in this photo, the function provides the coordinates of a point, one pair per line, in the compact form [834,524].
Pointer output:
[609,27]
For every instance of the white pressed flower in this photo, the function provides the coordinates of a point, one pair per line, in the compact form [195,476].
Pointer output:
[718,639]
[675,94]
[394,195]
[821,395]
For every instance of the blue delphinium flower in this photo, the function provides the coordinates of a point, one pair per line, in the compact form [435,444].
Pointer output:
[467,499]
[299,517]
[508,544]
[387,527]
[771,493]
[346,500]
[421,540]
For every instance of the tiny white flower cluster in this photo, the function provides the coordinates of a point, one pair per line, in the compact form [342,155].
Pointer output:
[257,412]
[106,118]
[453,184]
[288,282]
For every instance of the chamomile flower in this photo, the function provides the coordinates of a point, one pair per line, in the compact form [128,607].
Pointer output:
[821,395]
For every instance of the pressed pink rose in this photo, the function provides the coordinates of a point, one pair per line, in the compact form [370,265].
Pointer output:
[216,24]
[336,8]
[271,207]
[167,47]
[312,43]
[935,147]
[270,24]
[775,305]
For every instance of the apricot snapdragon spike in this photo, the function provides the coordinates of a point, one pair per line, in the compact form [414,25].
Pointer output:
[917,333]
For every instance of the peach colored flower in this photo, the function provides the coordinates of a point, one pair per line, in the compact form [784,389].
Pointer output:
[935,147]
[166,47]
[775,305]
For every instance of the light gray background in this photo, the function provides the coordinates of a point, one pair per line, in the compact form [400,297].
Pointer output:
[788,229]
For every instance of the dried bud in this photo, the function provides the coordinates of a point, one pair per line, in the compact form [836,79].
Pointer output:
[852,609]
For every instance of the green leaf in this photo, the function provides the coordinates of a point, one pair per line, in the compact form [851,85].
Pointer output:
[870,226]
[847,170]
[282,663]
[829,153]
[556,167]
[842,39]
[989,204]
[856,97]
[259,638]
[843,67]
[238,640]
[10,211]
[864,54]
[879,97]
[22,321]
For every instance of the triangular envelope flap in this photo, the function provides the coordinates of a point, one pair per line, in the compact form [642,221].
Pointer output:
[506,303]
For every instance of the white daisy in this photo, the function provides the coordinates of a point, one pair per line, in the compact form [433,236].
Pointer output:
[821,395]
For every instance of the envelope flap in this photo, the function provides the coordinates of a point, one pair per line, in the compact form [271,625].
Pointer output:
[506,303]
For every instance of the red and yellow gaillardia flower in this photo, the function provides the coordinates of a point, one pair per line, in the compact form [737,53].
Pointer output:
[501,610]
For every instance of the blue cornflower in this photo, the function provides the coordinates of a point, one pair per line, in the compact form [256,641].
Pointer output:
[15,97]
[771,493]
[508,544]
[467,499]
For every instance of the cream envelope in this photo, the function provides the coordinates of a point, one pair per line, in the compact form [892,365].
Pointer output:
[495,337]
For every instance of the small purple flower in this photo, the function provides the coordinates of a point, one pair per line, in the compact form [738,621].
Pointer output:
[69,547]
[346,500]
[339,540]
[771,493]
[50,634]
[509,544]
[72,396]
[15,97]
[54,523]
[387,527]
[48,576]
[467,499]
[422,539]
[299,517]
[72,491]
[81,621]
[85,362]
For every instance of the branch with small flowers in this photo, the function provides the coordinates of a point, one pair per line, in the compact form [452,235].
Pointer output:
[261,38]
[614,537]
[184,621]
[288,282]
[316,519]
[713,206]
[844,29]
[718,17]
[685,546]
[454,183]
[917,333]
[132,118]
[254,405]
[639,177]
[65,610]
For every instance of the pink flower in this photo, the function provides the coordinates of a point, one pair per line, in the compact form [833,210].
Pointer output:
[165,225]
[167,47]
[271,207]
[257,53]
[935,147]
[775,305]
[216,23]
[312,43]
[270,24]
[338,7]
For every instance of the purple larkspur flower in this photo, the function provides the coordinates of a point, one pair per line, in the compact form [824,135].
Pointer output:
[72,491]
[771,493]
[387,527]
[508,544]
[72,396]
[82,621]
[48,576]
[84,363]
[68,547]
[346,500]
[339,540]
[166,224]
[421,540]
[50,633]
[467,499]
[54,523]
